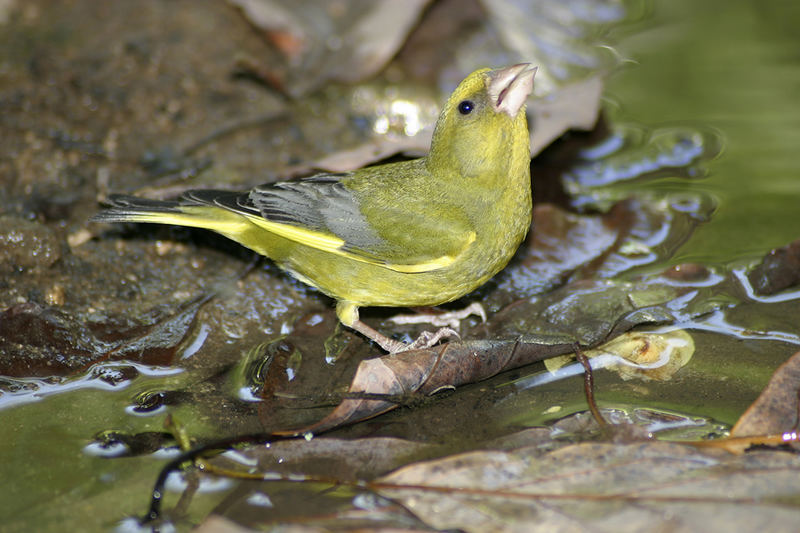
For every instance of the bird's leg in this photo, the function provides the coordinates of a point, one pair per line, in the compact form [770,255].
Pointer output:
[390,345]
[348,314]
[425,340]
[451,318]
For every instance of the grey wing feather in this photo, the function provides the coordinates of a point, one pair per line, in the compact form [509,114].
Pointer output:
[231,200]
[323,204]
[320,203]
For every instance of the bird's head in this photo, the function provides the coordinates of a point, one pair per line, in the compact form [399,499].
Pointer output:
[483,124]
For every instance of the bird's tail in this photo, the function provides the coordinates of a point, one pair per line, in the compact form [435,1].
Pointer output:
[192,210]
[124,208]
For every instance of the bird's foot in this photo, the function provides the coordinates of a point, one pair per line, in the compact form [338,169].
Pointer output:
[425,340]
[390,345]
[451,319]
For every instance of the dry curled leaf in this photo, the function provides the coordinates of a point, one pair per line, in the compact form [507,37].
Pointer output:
[399,376]
[523,339]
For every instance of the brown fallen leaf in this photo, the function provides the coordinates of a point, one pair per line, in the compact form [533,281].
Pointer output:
[343,459]
[322,42]
[602,487]
[430,46]
[530,487]
[425,372]
[776,409]
[523,339]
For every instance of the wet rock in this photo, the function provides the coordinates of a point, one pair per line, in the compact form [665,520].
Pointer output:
[26,245]
[688,273]
[780,269]
[42,341]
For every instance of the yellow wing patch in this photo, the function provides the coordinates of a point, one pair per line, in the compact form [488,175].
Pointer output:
[314,239]
[332,244]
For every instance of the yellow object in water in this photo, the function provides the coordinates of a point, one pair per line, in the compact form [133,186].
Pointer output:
[414,233]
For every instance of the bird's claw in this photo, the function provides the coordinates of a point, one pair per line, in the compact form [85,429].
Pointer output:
[450,319]
[427,339]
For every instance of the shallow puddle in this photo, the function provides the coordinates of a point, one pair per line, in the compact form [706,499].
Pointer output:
[700,148]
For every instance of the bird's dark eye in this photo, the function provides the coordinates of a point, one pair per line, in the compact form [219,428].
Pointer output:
[466,107]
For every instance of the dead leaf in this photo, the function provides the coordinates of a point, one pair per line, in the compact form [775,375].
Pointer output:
[602,487]
[527,332]
[776,409]
[323,42]
[573,106]
[347,460]
[435,47]
[399,376]
[638,354]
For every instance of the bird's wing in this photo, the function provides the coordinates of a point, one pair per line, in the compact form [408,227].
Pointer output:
[321,212]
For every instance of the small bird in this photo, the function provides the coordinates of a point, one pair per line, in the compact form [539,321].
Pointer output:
[408,234]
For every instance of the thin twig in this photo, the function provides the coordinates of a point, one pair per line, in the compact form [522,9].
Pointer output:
[588,386]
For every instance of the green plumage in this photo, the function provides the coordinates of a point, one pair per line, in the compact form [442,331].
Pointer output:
[414,233]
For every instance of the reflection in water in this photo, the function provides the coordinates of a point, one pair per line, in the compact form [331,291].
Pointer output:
[658,423]
[105,376]
[636,152]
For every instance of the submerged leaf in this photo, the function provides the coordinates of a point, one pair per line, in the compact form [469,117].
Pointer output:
[638,355]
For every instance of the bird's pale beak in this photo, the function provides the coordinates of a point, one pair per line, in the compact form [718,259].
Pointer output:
[510,87]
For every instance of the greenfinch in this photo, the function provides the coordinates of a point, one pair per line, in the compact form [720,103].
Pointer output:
[408,234]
